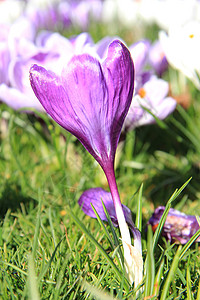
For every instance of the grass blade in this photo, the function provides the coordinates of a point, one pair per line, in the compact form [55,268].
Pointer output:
[103,228]
[33,293]
[198,294]
[150,265]
[171,274]
[138,220]
[157,280]
[47,266]
[189,243]
[189,288]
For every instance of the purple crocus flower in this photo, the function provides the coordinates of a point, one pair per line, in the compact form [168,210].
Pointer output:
[91,99]
[178,226]
[96,196]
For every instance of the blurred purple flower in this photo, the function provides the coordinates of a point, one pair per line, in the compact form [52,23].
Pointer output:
[151,93]
[4,54]
[151,100]
[139,52]
[19,94]
[96,196]
[178,226]
[50,50]
[84,11]
[60,15]
[45,16]
[21,38]
[157,58]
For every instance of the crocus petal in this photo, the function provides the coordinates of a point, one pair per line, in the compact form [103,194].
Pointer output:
[96,196]
[157,58]
[165,108]
[139,52]
[80,41]
[89,100]
[178,226]
[156,90]
[120,82]
[102,45]
[150,97]
[4,62]
[21,32]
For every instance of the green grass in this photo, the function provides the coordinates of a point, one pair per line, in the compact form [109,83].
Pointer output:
[50,250]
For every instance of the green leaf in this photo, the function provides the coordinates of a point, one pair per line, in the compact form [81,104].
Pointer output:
[33,289]
[149,265]
[171,274]
[138,220]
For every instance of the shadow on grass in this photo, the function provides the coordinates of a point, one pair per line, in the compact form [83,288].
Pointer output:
[11,197]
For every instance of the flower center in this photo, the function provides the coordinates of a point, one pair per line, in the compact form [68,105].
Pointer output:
[191,36]
[142,92]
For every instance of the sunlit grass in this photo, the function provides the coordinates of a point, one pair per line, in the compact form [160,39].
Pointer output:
[45,253]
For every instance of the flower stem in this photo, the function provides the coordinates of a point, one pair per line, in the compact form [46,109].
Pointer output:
[125,234]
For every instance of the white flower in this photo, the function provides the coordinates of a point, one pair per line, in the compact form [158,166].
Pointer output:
[126,11]
[10,10]
[165,13]
[182,49]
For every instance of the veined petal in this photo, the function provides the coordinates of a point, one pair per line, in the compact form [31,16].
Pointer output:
[48,88]
[85,86]
[119,73]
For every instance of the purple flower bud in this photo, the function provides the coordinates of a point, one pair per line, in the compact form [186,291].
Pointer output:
[178,226]
[90,99]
